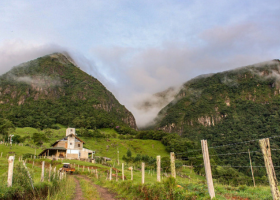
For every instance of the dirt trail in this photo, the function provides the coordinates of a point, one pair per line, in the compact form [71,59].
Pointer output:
[78,192]
[103,192]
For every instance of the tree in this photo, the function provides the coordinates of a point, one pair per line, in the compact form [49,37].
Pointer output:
[128,153]
[39,138]
[18,139]
[6,126]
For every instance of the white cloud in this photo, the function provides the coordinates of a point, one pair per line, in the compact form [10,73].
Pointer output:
[15,52]
[137,48]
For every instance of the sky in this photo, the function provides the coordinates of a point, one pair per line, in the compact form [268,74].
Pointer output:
[138,47]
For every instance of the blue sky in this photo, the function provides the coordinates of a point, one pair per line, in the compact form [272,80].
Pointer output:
[137,48]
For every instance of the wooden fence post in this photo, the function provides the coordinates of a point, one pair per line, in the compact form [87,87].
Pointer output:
[123,171]
[265,146]
[54,172]
[207,167]
[143,172]
[110,175]
[50,171]
[172,163]
[30,178]
[11,170]
[118,158]
[252,169]
[158,168]
[43,171]
[131,173]
[78,167]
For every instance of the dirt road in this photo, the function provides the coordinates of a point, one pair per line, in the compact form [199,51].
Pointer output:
[102,193]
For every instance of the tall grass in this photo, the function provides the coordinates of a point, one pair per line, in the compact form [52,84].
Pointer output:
[22,186]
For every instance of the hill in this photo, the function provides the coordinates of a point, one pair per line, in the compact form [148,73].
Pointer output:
[211,100]
[52,89]
[229,107]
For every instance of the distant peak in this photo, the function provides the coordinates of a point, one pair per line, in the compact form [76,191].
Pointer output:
[62,56]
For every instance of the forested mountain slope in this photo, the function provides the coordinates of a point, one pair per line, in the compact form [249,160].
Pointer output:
[245,101]
[229,108]
[52,89]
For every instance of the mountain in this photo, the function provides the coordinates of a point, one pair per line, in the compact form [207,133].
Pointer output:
[225,102]
[235,107]
[54,90]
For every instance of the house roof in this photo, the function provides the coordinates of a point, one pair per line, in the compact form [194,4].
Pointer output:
[53,148]
[65,139]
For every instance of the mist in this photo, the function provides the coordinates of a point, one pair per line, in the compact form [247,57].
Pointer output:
[137,76]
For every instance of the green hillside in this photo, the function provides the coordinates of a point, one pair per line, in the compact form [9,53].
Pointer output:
[51,90]
[229,107]
[104,147]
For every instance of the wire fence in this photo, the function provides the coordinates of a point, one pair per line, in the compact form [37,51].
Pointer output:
[250,163]
[251,160]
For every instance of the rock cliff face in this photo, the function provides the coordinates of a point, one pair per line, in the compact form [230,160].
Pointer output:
[209,100]
[56,81]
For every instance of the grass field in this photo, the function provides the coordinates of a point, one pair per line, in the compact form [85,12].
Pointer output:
[192,186]
[102,147]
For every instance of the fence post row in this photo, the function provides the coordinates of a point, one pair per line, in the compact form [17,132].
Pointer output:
[207,167]
[265,146]
[10,171]
[158,168]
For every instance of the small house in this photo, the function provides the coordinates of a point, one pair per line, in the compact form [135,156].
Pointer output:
[70,147]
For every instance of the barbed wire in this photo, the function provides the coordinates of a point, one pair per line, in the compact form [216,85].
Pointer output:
[225,145]
[195,150]
[240,166]
[225,154]
[244,142]
[237,166]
